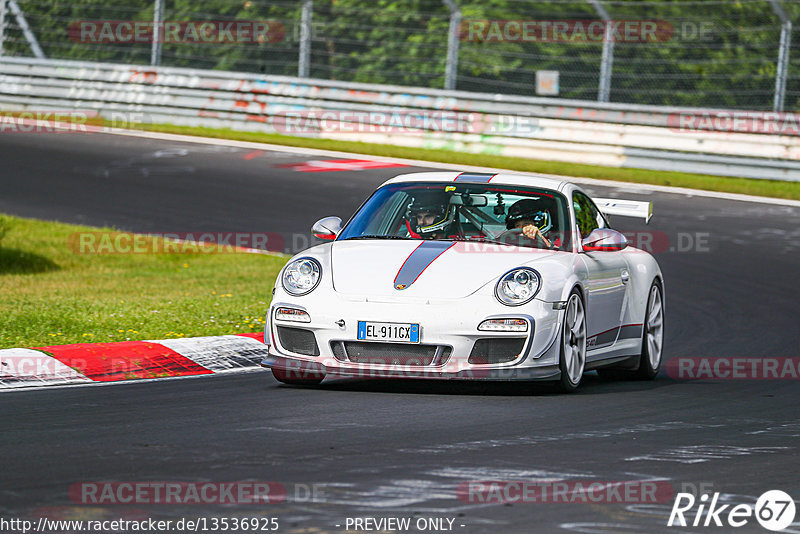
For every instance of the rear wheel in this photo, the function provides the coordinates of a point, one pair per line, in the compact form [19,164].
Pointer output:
[653,335]
[297,377]
[572,360]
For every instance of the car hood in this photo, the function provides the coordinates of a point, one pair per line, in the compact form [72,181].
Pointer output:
[431,269]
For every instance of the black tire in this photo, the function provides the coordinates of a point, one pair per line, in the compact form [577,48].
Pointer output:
[647,369]
[641,368]
[297,378]
[568,339]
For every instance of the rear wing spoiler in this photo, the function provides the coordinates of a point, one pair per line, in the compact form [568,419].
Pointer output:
[625,208]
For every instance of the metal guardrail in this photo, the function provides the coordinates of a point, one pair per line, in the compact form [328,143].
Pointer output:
[619,135]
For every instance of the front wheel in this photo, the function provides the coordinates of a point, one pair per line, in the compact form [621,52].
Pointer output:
[572,360]
[297,377]
[653,334]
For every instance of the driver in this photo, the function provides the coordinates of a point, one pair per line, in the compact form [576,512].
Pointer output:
[533,218]
[427,217]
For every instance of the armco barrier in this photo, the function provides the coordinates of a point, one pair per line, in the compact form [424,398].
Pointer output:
[618,135]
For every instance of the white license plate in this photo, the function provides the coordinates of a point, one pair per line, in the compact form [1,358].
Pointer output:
[398,332]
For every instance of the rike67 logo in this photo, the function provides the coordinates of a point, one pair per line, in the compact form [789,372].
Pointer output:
[774,510]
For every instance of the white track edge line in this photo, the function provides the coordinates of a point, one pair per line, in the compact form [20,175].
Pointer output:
[449,166]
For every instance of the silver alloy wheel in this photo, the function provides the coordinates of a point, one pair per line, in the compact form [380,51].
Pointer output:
[574,339]
[655,327]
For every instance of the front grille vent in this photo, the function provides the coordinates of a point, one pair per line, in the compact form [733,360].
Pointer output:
[496,350]
[390,353]
[298,340]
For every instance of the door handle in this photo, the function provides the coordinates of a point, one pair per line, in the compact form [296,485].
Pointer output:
[625,275]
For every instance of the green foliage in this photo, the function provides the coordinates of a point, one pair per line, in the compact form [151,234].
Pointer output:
[91,296]
[5,226]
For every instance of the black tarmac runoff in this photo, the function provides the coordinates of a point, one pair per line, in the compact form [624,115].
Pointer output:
[381,450]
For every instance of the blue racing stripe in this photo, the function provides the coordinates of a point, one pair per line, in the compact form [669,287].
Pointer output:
[474,177]
[418,261]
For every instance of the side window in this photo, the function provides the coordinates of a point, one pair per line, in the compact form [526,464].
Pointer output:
[586,214]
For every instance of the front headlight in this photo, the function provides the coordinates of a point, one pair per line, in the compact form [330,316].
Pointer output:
[301,276]
[518,286]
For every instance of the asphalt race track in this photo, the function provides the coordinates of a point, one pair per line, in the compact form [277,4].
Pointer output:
[401,449]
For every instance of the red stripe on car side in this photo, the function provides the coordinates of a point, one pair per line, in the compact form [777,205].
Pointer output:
[610,329]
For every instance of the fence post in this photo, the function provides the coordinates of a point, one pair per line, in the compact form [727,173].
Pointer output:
[607,58]
[304,61]
[158,32]
[451,68]
[26,29]
[782,72]
[2,27]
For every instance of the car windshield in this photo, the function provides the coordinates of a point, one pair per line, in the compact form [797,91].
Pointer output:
[511,215]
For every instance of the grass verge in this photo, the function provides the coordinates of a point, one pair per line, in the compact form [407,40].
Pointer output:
[53,295]
[748,186]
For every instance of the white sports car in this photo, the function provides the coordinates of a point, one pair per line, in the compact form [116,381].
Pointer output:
[470,276]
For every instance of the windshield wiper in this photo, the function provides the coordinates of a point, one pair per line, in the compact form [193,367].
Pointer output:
[468,240]
[378,237]
[495,242]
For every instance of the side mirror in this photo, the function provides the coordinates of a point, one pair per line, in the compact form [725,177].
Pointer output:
[604,240]
[327,228]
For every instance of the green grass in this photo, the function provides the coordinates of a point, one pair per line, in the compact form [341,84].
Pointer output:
[767,188]
[53,295]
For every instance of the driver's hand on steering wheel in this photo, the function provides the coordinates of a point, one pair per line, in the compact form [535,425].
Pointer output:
[532,232]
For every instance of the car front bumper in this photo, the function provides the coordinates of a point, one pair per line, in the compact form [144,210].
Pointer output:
[448,324]
[303,368]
